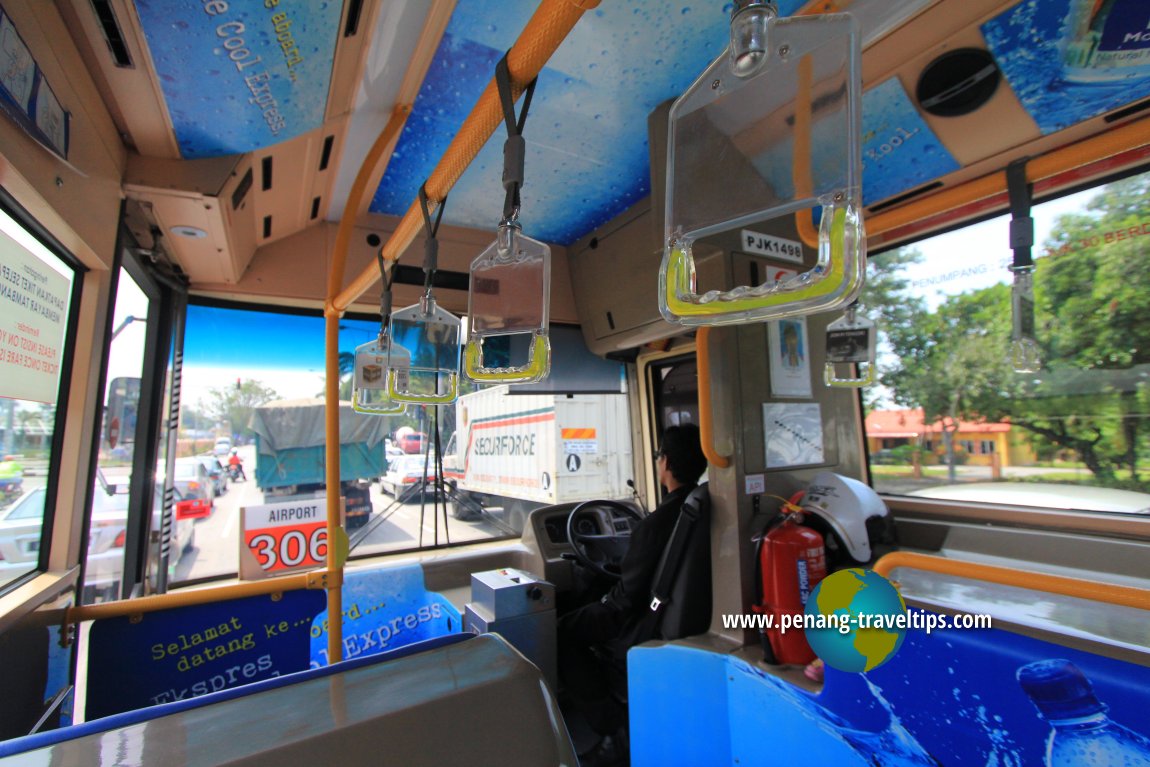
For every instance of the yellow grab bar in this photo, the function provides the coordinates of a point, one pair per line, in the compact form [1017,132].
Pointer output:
[189,597]
[1126,596]
[706,422]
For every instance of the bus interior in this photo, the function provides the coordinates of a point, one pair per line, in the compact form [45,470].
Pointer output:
[258,369]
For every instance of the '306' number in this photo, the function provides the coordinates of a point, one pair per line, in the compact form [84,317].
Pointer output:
[291,548]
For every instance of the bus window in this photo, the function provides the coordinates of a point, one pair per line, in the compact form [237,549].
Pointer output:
[953,420]
[108,525]
[674,390]
[255,379]
[36,294]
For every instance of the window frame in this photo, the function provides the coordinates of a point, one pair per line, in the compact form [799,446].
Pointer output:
[25,219]
[1130,526]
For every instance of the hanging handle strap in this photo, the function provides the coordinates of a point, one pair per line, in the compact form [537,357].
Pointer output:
[515,147]
[1021,223]
[431,244]
[384,295]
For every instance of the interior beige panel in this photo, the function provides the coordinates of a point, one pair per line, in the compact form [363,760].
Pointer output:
[78,200]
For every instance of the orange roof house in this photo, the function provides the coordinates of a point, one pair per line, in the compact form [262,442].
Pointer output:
[887,429]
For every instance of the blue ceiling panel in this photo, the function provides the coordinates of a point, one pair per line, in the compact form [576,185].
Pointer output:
[586,130]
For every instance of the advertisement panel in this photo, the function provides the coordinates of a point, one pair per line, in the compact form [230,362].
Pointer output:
[238,76]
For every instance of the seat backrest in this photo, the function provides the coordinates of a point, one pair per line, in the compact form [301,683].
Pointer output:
[687,608]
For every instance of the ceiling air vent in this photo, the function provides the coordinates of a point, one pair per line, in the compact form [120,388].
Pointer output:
[241,190]
[112,35]
[958,82]
[354,11]
[403,274]
[892,202]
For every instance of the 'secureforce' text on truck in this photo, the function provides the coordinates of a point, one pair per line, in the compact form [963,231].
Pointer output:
[522,451]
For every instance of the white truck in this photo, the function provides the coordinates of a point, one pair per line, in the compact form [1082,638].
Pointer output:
[518,452]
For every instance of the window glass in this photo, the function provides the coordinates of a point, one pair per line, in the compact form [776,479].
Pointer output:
[103,573]
[1074,434]
[35,300]
[252,398]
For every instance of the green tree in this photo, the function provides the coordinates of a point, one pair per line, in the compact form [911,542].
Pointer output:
[886,300]
[233,405]
[1092,286]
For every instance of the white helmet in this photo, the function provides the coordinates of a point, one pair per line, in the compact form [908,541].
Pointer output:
[851,509]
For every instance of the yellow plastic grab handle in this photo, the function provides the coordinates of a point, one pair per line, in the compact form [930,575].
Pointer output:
[537,367]
[866,377]
[383,407]
[826,286]
[412,398]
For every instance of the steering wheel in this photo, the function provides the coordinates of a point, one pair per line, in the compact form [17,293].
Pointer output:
[599,551]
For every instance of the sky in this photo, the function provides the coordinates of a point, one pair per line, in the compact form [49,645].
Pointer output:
[978,256]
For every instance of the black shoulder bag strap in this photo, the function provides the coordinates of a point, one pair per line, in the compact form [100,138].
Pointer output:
[673,555]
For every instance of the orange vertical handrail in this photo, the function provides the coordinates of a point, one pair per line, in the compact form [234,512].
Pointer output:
[706,417]
[1126,596]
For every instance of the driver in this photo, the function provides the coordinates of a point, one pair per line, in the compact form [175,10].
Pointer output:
[594,639]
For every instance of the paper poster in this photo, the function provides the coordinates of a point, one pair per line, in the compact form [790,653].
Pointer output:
[794,434]
[33,317]
[25,95]
[790,358]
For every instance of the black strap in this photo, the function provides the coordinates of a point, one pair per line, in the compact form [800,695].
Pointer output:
[385,295]
[1021,223]
[673,555]
[514,148]
[431,245]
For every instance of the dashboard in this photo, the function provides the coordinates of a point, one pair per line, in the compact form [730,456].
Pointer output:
[546,531]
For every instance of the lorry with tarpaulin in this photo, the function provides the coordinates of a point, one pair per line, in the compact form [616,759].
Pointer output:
[290,457]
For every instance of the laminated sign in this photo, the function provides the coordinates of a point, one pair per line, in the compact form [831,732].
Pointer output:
[278,538]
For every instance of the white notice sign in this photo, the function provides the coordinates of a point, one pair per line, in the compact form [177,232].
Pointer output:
[33,315]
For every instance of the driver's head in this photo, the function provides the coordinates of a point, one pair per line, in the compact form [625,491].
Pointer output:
[684,453]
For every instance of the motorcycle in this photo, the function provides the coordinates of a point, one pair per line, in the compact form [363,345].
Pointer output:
[10,489]
[236,472]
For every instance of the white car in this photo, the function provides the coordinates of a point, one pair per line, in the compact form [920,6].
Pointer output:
[404,471]
[20,532]
[223,446]
[1046,495]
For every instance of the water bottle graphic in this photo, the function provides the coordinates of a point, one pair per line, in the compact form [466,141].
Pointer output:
[1106,40]
[1081,732]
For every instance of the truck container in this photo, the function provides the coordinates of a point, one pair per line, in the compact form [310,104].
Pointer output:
[522,451]
[291,459]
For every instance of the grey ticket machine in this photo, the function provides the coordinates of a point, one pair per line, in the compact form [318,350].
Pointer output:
[520,608]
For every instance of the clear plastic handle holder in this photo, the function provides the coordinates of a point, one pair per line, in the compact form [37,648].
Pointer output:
[765,145]
[510,295]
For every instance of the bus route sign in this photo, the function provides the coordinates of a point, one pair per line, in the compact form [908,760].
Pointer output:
[279,538]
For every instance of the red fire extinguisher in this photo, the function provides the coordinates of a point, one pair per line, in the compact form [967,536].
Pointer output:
[792,561]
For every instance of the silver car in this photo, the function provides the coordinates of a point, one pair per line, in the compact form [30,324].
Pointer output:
[20,534]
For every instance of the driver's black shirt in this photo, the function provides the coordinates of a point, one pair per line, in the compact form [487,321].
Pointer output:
[622,615]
